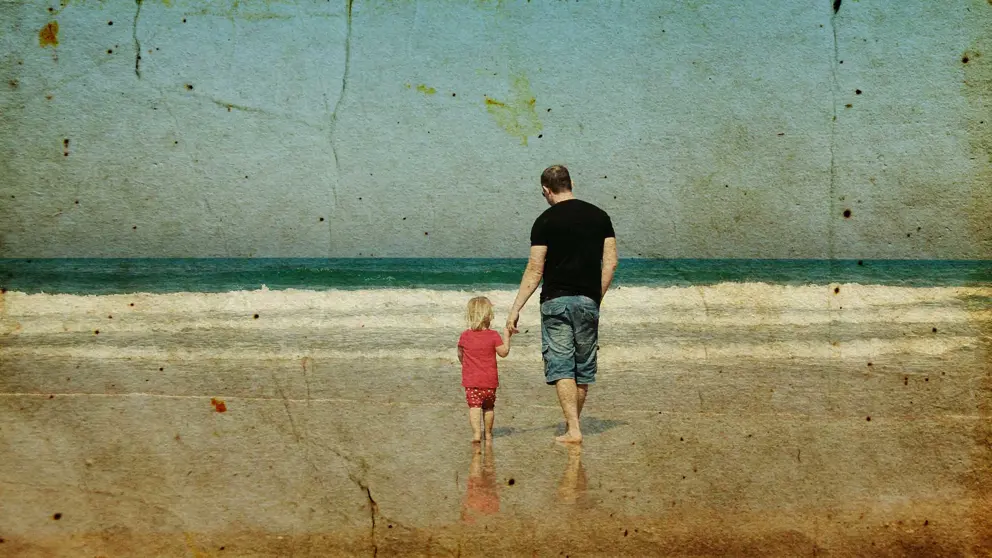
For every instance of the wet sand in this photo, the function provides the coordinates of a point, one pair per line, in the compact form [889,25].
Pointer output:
[733,427]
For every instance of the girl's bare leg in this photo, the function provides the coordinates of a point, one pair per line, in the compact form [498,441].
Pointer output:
[475,417]
[490,416]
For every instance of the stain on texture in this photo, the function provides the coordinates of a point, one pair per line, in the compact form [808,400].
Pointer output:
[49,35]
[425,89]
[516,116]
[218,404]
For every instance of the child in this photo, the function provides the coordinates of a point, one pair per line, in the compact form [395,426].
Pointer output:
[477,350]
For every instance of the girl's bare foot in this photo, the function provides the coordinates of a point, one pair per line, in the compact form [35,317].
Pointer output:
[569,438]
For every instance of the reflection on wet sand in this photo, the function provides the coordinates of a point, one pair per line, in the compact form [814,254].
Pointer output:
[482,492]
[572,488]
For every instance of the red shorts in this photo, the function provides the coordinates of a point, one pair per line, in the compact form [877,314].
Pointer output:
[480,397]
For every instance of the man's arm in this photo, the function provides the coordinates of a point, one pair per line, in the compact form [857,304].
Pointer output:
[531,279]
[609,263]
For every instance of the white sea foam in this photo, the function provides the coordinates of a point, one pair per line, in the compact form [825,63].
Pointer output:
[723,321]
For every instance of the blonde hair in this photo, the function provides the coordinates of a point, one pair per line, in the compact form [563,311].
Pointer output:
[480,313]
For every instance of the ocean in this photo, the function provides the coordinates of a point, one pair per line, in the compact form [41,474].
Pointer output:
[116,276]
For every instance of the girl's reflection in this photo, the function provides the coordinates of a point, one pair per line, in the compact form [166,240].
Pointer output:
[482,496]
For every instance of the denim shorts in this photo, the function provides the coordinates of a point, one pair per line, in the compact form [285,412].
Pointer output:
[569,337]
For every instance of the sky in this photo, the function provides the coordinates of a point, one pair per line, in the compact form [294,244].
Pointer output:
[718,129]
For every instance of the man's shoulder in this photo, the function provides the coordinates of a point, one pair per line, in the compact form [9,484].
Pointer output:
[595,208]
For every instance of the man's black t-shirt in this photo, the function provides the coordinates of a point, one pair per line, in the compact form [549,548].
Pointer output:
[573,231]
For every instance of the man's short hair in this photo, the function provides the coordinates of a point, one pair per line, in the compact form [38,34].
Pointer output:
[556,179]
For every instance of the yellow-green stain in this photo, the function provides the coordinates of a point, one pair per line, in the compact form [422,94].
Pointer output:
[517,115]
[426,90]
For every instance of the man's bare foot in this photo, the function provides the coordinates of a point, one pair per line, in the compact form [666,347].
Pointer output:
[476,440]
[569,438]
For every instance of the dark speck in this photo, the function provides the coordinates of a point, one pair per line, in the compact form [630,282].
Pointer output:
[134,227]
[861,262]
[925,523]
[321,219]
[255,316]
[965,59]
[57,516]
[452,94]
[934,330]
[160,368]
[836,290]
[511,482]
[539,136]
[847,213]
[848,105]
[425,233]
[96,332]
[189,87]
[110,23]
[549,110]
[857,91]
[868,419]
[184,20]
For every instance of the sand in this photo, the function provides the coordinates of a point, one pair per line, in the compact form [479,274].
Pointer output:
[744,419]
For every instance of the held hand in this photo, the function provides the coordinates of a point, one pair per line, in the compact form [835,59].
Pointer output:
[511,321]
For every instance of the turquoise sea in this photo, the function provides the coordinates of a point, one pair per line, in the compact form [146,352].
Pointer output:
[114,276]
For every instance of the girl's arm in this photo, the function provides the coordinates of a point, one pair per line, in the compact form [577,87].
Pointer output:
[460,353]
[504,349]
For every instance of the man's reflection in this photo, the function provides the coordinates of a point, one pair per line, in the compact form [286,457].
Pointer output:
[572,488]
[482,496]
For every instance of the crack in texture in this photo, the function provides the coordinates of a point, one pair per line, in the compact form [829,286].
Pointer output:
[137,43]
[373,510]
[333,119]
[833,133]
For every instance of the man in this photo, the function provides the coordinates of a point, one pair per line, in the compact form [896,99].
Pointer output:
[574,248]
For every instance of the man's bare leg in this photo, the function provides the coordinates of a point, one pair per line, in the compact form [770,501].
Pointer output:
[568,398]
[580,398]
[489,415]
[475,417]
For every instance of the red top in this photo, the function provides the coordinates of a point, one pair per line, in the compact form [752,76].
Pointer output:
[479,358]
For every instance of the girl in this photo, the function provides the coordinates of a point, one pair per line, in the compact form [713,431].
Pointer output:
[477,350]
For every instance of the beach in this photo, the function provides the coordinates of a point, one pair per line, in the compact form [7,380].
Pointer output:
[733,418]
